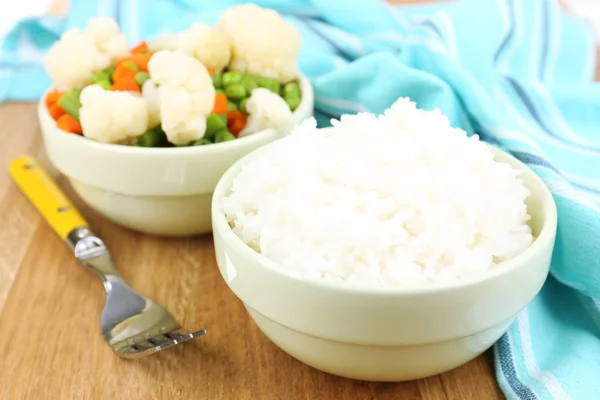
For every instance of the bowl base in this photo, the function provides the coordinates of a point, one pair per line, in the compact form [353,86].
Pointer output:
[156,215]
[377,363]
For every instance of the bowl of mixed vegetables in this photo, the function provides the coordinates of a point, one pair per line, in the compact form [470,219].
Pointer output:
[144,132]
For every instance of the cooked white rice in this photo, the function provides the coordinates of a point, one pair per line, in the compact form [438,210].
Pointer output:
[397,199]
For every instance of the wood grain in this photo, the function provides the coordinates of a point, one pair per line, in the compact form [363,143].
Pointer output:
[50,306]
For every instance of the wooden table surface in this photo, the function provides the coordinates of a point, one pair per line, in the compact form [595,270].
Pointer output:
[50,341]
[50,306]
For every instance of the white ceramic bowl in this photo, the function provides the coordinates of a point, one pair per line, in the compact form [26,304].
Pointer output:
[163,191]
[385,333]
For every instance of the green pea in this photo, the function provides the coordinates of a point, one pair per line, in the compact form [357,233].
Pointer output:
[131,65]
[293,101]
[291,89]
[231,77]
[104,75]
[109,70]
[224,136]
[70,103]
[100,76]
[151,138]
[270,83]
[141,78]
[243,106]
[214,123]
[236,91]
[201,142]
[217,80]
[104,84]
[250,83]
[231,106]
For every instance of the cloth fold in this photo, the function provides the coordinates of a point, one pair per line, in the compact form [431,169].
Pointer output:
[517,73]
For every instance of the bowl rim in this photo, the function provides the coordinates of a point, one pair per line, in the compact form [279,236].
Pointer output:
[134,151]
[545,238]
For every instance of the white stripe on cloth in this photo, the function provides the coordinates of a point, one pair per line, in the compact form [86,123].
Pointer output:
[103,9]
[518,35]
[556,23]
[450,39]
[559,187]
[558,120]
[134,26]
[591,183]
[511,341]
[395,37]
[543,377]
[341,105]
[536,40]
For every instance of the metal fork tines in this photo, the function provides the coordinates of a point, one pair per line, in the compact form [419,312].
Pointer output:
[133,325]
[154,344]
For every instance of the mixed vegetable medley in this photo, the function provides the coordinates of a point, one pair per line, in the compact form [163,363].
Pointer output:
[207,84]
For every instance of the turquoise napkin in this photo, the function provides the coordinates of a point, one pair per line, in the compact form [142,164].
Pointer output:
[518,73]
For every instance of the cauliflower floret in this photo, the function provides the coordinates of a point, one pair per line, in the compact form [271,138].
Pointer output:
[150,93]
[165,41]
[266,110]
[112,116]
[262,42]
[186,95]
[107,37]
[72,61]
[209,45]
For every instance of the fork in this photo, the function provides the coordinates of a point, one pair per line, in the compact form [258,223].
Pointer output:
[133,325]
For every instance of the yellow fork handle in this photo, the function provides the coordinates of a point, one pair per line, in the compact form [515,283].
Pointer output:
[46,196]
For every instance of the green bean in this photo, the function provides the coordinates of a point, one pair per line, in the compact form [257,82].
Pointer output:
[235,91]
[230,77]
[141,78]
[104,84]
[270,83]
[214,123]
[70,103]
[231,106]
[291,89]
[224,136]
[151,138]
[201,142]
[242,106]
[217,80]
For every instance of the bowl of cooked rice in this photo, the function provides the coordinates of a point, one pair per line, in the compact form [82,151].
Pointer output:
[385,248]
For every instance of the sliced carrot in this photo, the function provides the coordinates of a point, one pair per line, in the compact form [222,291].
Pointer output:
[122,71]
[142,47]
[141,60]
[56,111]
[220,106]
[211,70]
[69,124]
[236,121]
[52,98]
[126,85]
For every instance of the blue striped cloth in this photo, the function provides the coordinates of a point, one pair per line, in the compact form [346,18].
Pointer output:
[518,73]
